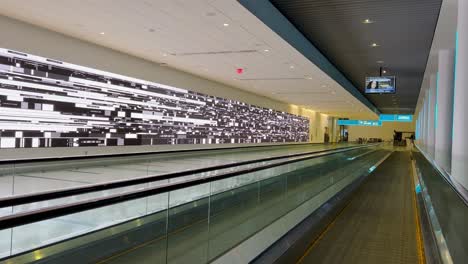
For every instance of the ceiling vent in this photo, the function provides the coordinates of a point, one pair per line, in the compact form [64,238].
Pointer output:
[292,93]
[213,52]
[270,79]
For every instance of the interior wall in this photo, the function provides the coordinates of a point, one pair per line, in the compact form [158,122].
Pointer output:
[334,129]
[384,132]
[20,36]
[320,129]
[318,122]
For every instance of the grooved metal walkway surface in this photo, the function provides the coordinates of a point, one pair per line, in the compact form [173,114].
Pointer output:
[378,225]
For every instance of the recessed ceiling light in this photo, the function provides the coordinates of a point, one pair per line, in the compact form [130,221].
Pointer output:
[266,50]
[226,24]
[324,86]
[308,78]
[102,33]
[380,61]
[367,21]
[165,54]
[384,71]
[291,67]
[374,45]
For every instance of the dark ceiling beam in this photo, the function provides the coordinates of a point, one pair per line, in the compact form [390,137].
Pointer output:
[276,21]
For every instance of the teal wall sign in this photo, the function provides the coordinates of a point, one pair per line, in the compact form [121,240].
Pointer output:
[359,123]
[395,118]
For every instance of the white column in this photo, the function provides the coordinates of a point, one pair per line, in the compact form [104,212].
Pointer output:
[421,133]
[423,138]
[431,115]
[426,121]
[420,126]
[416,132]
[460,111]
[444,109]
[428,118]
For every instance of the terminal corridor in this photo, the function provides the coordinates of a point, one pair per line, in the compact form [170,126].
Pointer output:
[233,131]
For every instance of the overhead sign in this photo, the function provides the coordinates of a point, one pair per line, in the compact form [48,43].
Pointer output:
[359,123]
[395,118]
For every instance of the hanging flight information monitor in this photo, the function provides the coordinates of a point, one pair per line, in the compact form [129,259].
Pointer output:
[380,84]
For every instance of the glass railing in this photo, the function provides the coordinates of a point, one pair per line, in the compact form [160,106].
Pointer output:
[20,177]
[446,209]
[49,178]
[183,220]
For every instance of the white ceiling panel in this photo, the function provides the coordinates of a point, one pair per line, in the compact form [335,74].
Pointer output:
[191,35]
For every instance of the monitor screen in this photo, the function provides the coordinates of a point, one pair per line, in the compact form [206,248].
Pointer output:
[381,84]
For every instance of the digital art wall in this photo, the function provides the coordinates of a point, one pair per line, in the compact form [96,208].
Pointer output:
[49,103]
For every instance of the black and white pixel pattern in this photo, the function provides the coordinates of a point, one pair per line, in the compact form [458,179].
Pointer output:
[49,103]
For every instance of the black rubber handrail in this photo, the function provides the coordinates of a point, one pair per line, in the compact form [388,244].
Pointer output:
[43,196]
[29,217]
[102,156]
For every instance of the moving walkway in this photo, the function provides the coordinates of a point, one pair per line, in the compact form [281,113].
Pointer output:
[378,224]
[172,206]
[340,201]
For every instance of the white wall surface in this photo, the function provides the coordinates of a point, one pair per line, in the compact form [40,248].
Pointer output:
[384,132]
[318,122]
[28,38]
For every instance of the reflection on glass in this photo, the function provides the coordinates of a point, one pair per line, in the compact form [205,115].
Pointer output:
[195,224]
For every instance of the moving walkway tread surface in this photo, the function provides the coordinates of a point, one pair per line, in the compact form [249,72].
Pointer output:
[378,225]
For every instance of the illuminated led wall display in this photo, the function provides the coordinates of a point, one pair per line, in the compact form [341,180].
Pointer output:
[49,103]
